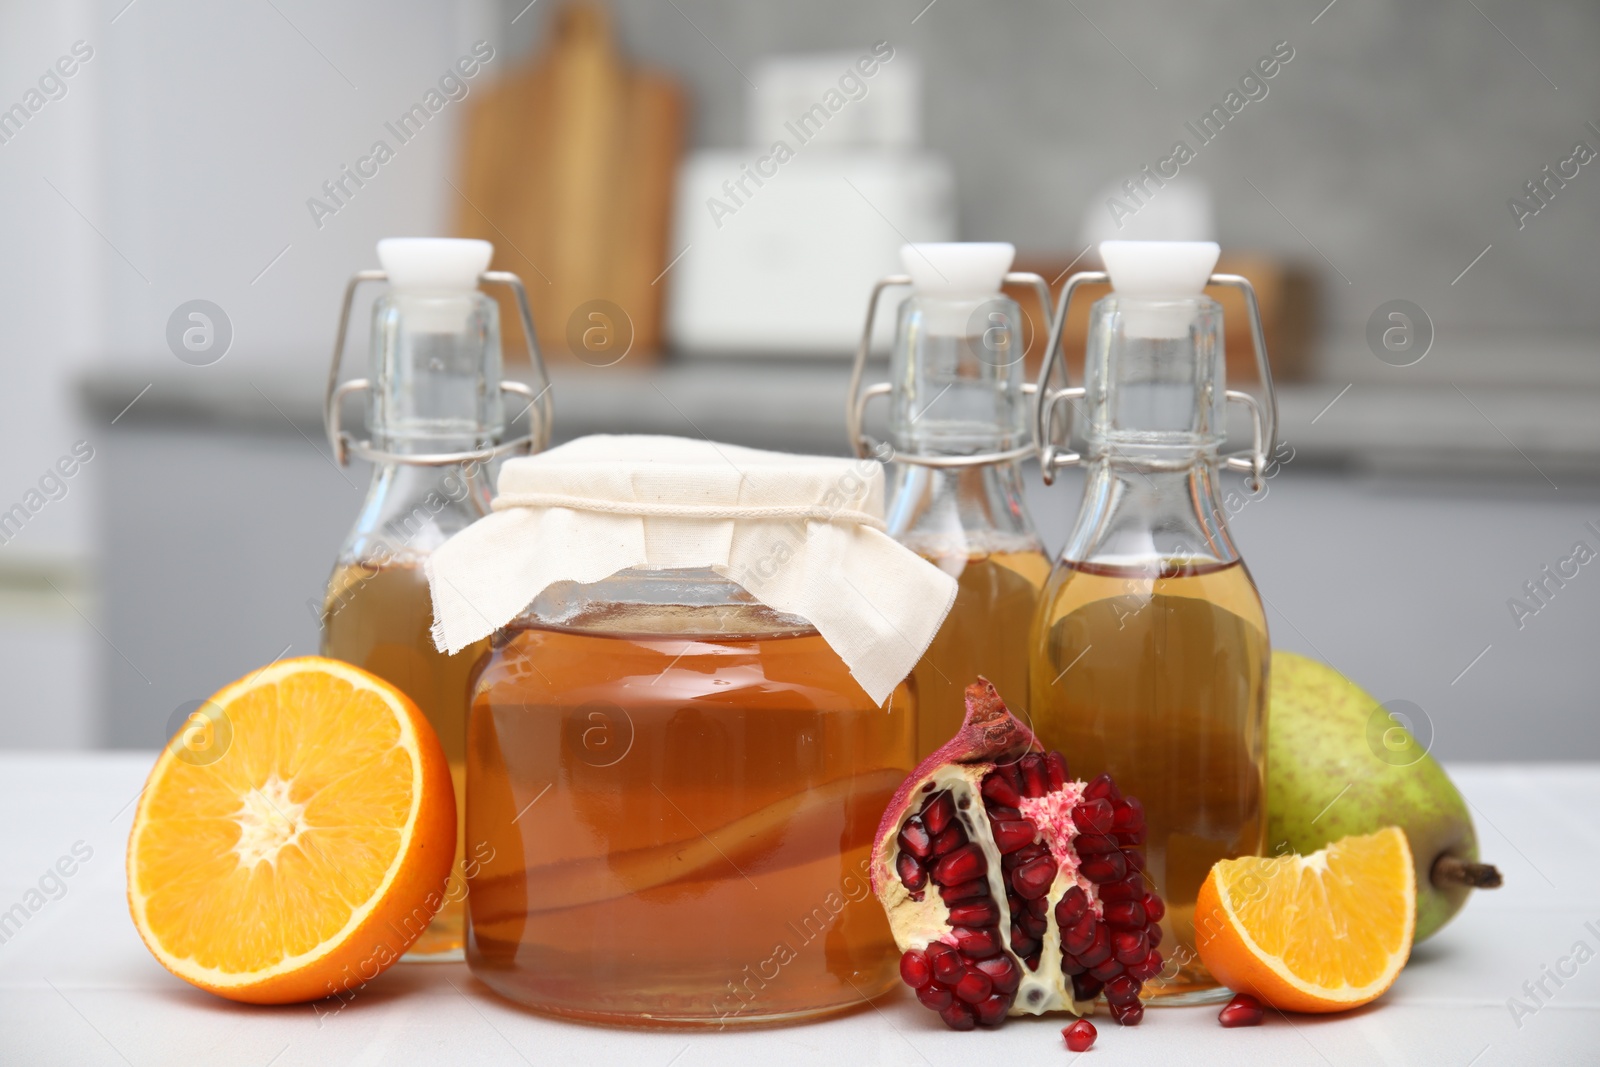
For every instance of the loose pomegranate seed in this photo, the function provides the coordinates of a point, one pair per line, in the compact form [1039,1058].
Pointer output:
[915,970]
[1072,906]
[1012,834]
[915,839]
[1002,792]
[1127,1014]
[1032,879]
[962,865]
[1242,1010]
[974,987]
[1129,946]
[1079,1036]
[935,996]
[1002,972]
[959,1016]
[912,875]
[977,944]
[976,913]
[992,1012]
[938,812]
[1093,817]
[1125,913]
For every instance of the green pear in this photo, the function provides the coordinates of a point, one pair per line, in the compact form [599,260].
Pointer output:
[1338,763]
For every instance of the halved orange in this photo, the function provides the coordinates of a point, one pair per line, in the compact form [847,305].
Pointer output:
[1316,933]
[294,837]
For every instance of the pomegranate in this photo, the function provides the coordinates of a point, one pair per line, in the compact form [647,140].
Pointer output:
[1242,1010]
[1079,1036]
[1011,888]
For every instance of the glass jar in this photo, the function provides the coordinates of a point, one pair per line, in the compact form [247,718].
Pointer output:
[1150,649]
[678,789]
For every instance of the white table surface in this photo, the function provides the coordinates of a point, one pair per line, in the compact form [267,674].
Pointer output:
[77,986]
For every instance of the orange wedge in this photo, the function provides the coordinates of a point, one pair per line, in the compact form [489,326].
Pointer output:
[294,837]
[1316,933]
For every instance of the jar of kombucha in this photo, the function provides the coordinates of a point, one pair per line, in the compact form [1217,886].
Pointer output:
[436,417]
[959,430]
[682,739]
[1150,650]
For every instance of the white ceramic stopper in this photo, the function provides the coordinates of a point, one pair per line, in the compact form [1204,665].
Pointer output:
[972,270]
[443,269]
[1158,272]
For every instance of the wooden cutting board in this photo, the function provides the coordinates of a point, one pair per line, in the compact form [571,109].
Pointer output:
[568,166]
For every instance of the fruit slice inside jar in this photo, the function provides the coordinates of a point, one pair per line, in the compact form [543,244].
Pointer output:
[1316,933]
[303,846]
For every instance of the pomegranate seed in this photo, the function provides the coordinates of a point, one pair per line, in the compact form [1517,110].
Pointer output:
[1148,968]
[1154,908]
[972,890]
[974,987]
[1129,816]
[1022,944]
[1107,969]
[952,838]
[1085,988]
[1122,990]
[947,965]
[915,839]
[1099,949]
[977,944]
[1093,817]
[1128,1014]
[977,913]
[1002,972]
[996,788]
[1087,845]
[1026,853]
[1033,960]
[1102,788]
[1134,859]
[1072,906]
[1153,932]
[1056,769]
[938,813]
[1130,838]
[1032,925]
[1035,779]
[962,865]
[1098,869]
[1129,889]
[1032,879]
[992,1012]
[1079,1036]
[1125,913]
[1242,1010]
[915,969]
[912,875]
[1013,834]
[1077,938]
[1071,966]
[1129,946]
[958,1016]
[1038,908]
[935,996]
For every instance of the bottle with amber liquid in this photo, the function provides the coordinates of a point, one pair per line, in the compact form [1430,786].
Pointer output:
[959,430]
[1150,651]
[436,413]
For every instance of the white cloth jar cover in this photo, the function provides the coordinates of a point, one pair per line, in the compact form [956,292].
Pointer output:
[802,534]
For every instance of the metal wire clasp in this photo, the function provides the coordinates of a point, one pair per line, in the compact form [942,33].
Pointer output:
[1264,416]
[856,404]
[538,409]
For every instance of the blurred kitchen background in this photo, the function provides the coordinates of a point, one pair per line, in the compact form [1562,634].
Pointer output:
[1429,483]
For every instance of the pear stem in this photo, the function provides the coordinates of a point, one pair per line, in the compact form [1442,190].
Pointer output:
[1451,870]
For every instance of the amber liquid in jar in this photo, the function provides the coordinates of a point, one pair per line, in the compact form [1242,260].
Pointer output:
[985,633]
[1159,676]
[679,821]
[379,618]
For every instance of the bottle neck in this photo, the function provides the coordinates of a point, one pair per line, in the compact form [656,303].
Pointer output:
[1142,515]
[410,510]
[953,514]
